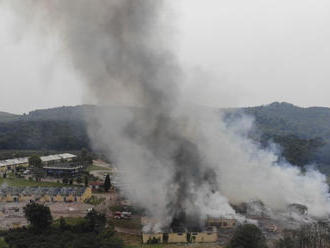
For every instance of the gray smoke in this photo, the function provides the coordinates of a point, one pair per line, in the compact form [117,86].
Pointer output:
[180,162]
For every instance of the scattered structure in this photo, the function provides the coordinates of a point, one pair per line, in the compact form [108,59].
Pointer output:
[44,194]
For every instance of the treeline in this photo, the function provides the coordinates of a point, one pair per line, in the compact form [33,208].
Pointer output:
[315,235]
[43,135]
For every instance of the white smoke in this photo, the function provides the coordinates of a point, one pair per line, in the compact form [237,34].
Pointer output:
[119,50]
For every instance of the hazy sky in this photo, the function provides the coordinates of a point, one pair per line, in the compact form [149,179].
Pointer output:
[234,53]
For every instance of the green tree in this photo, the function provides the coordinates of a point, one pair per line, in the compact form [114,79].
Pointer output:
[38,215]
[286,242]
[86,181]
[79,180]
[107,183]
[35,161]
[65,180]
[36,164]
[63,225]
[95,221]
[248,236]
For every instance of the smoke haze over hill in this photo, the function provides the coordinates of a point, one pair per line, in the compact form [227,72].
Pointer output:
[178,161]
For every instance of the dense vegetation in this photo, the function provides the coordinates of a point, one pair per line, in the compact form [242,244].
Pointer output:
[316,235]
[43,135]
[285,120]
[248,236]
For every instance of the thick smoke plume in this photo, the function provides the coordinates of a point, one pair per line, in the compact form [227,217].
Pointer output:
[181,163]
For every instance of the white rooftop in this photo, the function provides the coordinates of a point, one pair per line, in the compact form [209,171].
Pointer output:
[18,161]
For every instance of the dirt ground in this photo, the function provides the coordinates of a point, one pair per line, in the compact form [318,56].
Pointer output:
[66,209]
[12,215]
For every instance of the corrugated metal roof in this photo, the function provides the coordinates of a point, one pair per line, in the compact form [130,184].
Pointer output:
[24,160]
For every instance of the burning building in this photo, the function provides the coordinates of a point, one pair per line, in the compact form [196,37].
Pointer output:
[209,235]
[221,222]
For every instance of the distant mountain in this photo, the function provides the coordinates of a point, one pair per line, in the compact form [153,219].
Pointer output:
[63,127]
[285,119]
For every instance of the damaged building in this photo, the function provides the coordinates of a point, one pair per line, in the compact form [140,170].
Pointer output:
[221,222]
[208,235]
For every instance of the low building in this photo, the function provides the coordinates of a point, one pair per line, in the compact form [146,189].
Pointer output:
[63,170]
[45,194]
[208,236]
[152,238]
[11,164]
[205,236]
[96,185]
[222,222]
[57,158]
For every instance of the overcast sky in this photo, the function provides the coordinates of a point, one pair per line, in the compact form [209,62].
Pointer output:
[234,53]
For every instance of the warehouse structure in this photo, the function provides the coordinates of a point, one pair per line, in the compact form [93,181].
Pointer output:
[10,164]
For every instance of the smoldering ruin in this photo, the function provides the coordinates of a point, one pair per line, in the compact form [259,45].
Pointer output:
[181,163]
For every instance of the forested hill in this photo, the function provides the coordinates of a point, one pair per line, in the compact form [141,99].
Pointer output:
[302,130]
[304,133]
[285,119]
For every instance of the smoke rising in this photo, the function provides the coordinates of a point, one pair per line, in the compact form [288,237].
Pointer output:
[180,162]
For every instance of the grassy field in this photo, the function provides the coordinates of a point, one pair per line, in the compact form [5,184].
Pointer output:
[133,223]
[94,200]
[95,167]
[20,182]
[70,221]
[3,244]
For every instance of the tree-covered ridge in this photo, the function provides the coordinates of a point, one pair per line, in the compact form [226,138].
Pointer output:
[43,135]
[278,120]
[302,133]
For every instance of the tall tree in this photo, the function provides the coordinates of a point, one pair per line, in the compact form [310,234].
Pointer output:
[86,181]
[38,215]
[107,183]
[36,164]
[248,236]
[95,221]
[35,161]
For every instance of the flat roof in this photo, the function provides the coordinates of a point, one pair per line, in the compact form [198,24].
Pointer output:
[24,160]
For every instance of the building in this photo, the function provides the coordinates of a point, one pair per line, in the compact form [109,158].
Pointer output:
[96,185]
[57,158]
[45,194]
[209,235]
[62,170]
[11,164]
[225,223]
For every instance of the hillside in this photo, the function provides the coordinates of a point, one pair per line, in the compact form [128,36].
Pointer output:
[299,130]
[284,119]
[4,117]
